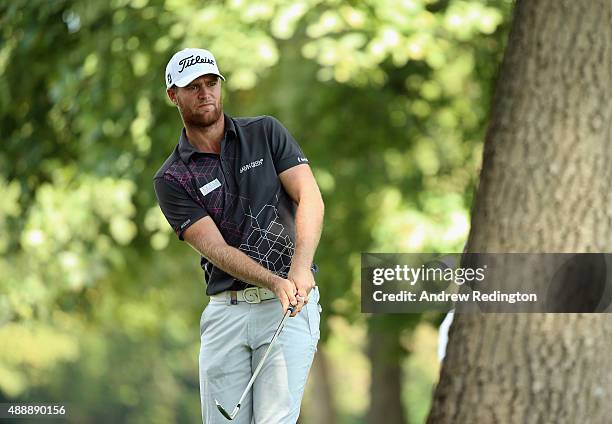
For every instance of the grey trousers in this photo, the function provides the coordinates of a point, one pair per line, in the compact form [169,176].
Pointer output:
[234,339]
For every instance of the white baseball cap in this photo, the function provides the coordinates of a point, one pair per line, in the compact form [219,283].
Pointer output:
[188,64]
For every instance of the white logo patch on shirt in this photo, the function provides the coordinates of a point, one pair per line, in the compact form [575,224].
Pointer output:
[208,187]
[251,165]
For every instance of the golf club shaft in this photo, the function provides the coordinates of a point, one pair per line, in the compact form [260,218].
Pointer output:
[278,330]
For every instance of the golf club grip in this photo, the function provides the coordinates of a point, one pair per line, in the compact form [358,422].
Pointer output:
[291,308]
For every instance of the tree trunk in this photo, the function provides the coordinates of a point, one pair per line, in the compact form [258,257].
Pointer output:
[544,187]
[385,353]
[321,405]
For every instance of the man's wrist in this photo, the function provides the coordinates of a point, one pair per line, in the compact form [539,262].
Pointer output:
[301,266]
[274,281]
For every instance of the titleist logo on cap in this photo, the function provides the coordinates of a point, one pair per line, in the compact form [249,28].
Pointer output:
[188,64]
[188,61]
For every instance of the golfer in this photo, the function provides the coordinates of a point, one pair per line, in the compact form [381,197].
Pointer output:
[240,192]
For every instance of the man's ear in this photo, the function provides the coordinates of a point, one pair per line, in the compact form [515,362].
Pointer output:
[171,92]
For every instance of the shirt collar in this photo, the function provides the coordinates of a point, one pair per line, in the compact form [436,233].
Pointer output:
[186,150]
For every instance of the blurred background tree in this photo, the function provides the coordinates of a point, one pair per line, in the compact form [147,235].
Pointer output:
[100,304]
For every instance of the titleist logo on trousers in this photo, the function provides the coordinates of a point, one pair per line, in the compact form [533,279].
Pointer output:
[188,61]
[251,165]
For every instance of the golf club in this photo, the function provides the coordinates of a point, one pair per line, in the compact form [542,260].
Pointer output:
[248,387]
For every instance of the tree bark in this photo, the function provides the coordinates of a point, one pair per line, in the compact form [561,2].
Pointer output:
[544,187]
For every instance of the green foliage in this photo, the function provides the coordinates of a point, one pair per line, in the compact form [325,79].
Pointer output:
[99,302]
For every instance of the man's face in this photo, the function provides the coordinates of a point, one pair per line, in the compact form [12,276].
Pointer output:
[199,102]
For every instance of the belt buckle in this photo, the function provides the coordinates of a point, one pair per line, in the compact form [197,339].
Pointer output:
[248,295]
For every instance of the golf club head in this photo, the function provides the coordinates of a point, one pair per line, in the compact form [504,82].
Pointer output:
[225,413]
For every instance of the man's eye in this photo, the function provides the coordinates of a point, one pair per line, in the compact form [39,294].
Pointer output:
[212,83]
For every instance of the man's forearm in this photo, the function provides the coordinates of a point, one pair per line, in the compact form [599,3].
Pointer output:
[238,264]
[308,224]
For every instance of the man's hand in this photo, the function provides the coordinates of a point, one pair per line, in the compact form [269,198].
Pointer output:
[304,282]
[286,292]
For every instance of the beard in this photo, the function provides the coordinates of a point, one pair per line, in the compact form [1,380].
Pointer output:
[203,118]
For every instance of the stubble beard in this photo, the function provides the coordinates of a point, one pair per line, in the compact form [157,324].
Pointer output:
[203,119]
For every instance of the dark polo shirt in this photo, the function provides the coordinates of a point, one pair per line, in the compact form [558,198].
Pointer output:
[240,190]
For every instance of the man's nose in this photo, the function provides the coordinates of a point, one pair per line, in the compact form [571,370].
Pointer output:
[205,91]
